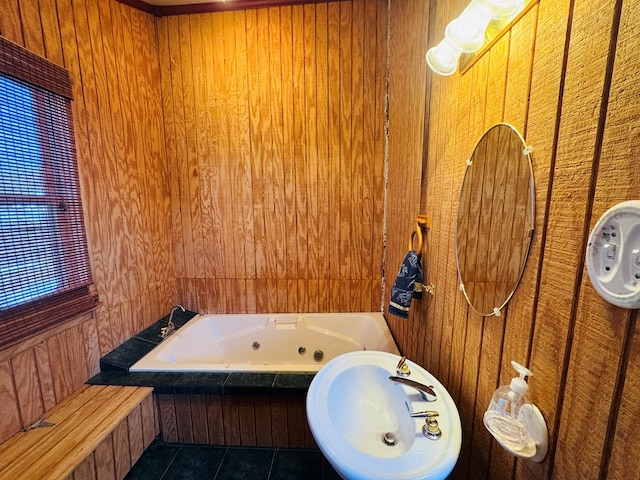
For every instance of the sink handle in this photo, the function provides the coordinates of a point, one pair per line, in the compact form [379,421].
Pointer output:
[402,369]
[426,413]
[427,391]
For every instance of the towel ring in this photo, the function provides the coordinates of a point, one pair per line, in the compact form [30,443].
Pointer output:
[417,231]
[423,221]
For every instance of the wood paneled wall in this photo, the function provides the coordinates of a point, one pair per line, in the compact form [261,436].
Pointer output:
[110,52]
[274,123]
[247,420]
[270,194]
[565,77]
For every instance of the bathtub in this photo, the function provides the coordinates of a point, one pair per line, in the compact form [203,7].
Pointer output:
[266,342]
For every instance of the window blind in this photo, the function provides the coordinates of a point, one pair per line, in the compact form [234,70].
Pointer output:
[45,275]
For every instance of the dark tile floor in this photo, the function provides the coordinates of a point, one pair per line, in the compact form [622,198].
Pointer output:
[163,461]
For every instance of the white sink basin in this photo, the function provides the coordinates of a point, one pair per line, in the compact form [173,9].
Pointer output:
[361,420]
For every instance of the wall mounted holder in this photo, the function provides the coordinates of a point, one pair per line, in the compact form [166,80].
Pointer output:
[613,255]
[538,439]
[517,424]
[422,221]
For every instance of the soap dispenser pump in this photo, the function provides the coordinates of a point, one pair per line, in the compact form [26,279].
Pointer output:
[514,421]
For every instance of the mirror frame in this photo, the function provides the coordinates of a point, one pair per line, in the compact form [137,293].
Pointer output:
[521,219]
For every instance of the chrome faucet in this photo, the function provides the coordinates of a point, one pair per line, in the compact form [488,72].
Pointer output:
[170,328]
[426,391]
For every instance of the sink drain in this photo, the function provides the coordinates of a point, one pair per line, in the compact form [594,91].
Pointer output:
[389,439]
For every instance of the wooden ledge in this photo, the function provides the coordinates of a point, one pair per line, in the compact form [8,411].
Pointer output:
[80,424]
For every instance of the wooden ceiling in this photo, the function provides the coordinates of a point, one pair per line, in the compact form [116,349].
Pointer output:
[163,8]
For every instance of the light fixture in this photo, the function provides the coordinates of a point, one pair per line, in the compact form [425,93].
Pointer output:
[466,34]
[467,31]
[499,9]
[443,58]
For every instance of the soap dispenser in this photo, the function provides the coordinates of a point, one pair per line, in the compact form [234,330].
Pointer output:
[514,421]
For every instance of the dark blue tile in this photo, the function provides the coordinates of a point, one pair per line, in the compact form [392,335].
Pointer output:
[111,378]
[290,464]
[162,381]
[180,318]
[195,463]
[293,381]
[122,357]
[152,333]
[154,462]
[329,472]
[246,464]
[249,382]
[208,383]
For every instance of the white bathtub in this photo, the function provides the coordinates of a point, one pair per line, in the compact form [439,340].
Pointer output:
[283,342]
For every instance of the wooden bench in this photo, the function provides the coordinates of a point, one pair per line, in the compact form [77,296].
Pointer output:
[79,425]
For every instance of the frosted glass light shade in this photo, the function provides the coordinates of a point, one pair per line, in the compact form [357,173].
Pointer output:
[500,9]
[466,34]
[443,58]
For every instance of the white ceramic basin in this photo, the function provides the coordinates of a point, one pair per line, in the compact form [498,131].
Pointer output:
[352,405]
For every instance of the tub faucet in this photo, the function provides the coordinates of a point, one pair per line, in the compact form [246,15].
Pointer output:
[170,328]
[426,391]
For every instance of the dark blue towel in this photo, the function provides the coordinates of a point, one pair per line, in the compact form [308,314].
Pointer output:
[408,285]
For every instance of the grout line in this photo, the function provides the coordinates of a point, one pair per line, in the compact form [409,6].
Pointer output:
[224,457]
[170,463]
[273,458]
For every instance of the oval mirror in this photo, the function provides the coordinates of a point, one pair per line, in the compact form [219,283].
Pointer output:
[495,219]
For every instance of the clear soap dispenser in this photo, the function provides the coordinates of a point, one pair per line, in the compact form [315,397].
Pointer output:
[506,418]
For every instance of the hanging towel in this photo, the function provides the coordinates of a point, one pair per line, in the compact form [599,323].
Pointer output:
[404,288]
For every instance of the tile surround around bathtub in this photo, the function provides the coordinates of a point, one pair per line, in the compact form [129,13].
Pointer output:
[114,370]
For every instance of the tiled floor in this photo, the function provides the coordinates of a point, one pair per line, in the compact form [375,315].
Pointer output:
[163,461]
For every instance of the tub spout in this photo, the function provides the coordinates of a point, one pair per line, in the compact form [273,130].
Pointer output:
[170,328]
[426,391]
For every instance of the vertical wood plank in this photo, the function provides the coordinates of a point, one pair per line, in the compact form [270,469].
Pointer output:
[215,420]
[121,450]
[86,470]
[24,369]
[617,145]
[295,421]
[247,420]
[32,27]
[198,406]
[105,461]
[262,411]
[51,31]
[10,420]
[60,367]
[135,429]
[44,375]
[150,427]
[344,138]
[167,418]
[183,418]
[279,426]
[231,420]
[10,24]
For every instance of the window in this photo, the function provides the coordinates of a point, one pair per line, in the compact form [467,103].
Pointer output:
[45,277]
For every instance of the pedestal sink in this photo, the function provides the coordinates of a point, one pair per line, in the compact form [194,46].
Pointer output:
[362,421]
